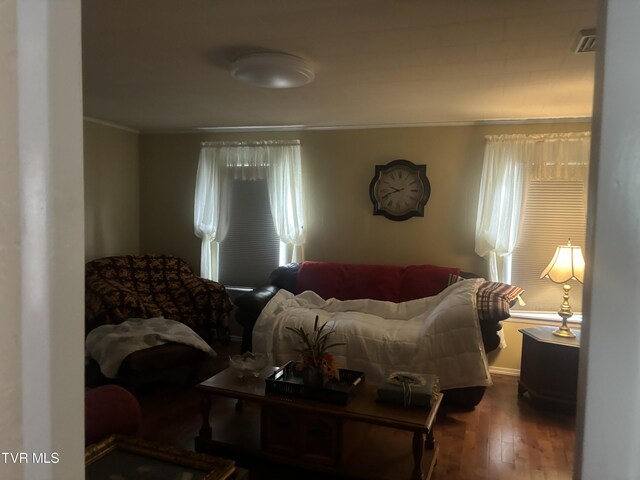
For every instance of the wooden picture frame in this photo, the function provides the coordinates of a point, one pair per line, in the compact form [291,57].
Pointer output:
[128,458]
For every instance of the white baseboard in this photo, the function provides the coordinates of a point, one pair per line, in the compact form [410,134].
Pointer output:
[512,372]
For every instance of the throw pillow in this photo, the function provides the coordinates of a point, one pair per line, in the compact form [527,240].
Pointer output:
[495,298]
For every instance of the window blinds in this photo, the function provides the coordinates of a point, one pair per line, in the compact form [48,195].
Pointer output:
[554,211]
[251,248]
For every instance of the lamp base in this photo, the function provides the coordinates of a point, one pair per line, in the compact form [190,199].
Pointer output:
[565,313]
[564,331]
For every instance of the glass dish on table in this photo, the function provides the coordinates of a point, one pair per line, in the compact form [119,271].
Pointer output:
[248,362]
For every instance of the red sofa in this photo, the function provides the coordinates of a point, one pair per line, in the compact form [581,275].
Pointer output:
[378,282]
[352,281]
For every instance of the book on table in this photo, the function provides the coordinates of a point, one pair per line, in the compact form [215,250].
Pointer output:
[408,389]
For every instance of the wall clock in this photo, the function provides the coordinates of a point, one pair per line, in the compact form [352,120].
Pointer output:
[399,190]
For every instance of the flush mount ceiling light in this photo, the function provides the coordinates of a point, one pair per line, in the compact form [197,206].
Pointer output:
[272,70]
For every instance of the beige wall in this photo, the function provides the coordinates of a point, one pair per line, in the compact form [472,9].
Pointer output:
[111,191]
[337,169]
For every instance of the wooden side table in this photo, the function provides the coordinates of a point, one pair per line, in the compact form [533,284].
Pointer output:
[549,367]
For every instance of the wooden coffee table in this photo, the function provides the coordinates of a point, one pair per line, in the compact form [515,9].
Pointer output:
[364,439]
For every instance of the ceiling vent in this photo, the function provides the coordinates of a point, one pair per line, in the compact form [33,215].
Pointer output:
[587,41]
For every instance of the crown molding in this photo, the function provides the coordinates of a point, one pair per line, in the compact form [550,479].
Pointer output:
[110,124]
[298,128]
[291,128]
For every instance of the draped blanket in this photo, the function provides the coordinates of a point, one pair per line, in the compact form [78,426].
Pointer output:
[109,345]
[438,334]
[146,286]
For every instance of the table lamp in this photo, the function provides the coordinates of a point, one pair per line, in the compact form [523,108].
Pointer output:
[567,264]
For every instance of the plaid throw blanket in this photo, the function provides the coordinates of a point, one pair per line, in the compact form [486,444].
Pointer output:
[122,287]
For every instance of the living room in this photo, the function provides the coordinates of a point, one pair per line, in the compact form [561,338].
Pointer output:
[339,228]
[159,192]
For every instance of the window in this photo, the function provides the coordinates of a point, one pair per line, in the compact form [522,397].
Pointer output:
[532,199]
[554,211]
[266,177]
[251,248]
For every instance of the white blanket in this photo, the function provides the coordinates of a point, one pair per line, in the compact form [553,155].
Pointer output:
[109,345]
[438,334]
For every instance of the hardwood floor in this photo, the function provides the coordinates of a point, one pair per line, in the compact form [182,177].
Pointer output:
[504,437]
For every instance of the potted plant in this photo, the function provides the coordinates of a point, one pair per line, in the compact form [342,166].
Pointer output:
[317,365]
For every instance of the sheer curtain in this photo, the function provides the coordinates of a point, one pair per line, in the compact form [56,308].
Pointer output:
[284,180]
[210,219]
[279,162]
[510,162]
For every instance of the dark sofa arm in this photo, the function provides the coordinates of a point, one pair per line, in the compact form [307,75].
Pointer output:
[490,337]
[248,308]
[489,328]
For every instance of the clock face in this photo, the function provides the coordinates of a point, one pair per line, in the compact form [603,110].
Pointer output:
[400,190]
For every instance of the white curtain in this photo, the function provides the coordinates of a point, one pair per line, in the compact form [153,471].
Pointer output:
[510,162]
[279,162]
[210,209]
[284,180]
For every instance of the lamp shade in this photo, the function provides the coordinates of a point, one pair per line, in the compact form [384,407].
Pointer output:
[567,263]
[272,70]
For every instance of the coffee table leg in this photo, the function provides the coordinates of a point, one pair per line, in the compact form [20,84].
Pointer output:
[418,447]
[429,443]
[205,429]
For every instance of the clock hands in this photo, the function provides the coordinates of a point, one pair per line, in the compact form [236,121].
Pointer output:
[395,190]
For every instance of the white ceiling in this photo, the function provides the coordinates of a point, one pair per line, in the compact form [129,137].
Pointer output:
[157,65]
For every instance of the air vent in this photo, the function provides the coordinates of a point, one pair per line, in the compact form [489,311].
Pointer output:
[587,41]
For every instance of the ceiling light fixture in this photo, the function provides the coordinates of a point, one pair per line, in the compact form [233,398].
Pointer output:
[272,70]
